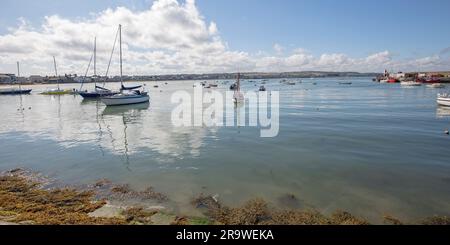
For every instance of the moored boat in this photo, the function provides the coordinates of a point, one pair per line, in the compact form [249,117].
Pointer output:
[436,85]
[15,91]
[98,91]
[392,80]
[410,83]
[127,95]
[58,90]
[126,98]
[238,97]
[443,99]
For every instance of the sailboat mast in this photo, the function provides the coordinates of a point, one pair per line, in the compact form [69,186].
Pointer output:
[239,82]
[56,71]
[120,44]
[18,75]
[95,61]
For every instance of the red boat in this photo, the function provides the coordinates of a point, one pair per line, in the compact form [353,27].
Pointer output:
[392,80]
[432,80]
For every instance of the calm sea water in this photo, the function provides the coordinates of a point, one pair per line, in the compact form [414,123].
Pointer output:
[369,148]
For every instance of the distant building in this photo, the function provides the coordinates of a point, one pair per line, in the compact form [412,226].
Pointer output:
[7,78]
[398,75]
[36,79]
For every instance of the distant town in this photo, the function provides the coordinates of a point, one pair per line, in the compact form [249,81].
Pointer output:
[74,78]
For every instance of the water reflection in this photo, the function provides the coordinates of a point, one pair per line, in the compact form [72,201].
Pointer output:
[128,114]
[442,112]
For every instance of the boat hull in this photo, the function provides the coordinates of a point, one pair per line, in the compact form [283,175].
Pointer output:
[443,101]
[58,92]
[14,92]
[411,84]
[95,94]
[125,100]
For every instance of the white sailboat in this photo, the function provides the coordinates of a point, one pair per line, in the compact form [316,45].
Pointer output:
[127,95]
[13,91]
[238,97]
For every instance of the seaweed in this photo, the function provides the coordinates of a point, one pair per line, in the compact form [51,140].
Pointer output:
[436,220]
[25,203]
[138,215]
[125,192]
[258,212]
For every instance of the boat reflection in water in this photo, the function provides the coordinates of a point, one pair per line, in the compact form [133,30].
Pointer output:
[129,114]
[442,111]
[124,110]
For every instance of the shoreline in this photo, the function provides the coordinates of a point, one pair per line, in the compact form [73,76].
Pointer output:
[28,198]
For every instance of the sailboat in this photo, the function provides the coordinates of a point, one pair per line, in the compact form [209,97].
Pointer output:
[127,95]
[238,97]
[99,91]
[12,91]
[58,90]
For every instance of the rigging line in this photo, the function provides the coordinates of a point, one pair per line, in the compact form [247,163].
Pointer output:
[87,70]
[110,58]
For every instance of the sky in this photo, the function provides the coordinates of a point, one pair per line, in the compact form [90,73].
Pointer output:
[205,36]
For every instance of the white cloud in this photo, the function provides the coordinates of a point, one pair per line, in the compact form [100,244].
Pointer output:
[169,37]
[278,48]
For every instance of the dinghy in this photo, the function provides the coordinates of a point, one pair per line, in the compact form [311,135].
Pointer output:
[127,95]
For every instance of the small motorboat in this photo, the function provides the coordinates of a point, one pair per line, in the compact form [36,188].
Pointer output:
[233,86]
[345,83]
[443,99]
[262,88]
[290,83]
[436,85]
[411,84]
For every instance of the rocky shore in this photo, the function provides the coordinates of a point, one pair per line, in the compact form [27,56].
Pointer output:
[26,199]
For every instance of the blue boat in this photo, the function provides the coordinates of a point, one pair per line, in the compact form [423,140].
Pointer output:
[15,91]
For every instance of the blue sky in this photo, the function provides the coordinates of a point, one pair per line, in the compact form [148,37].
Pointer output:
[408,29]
